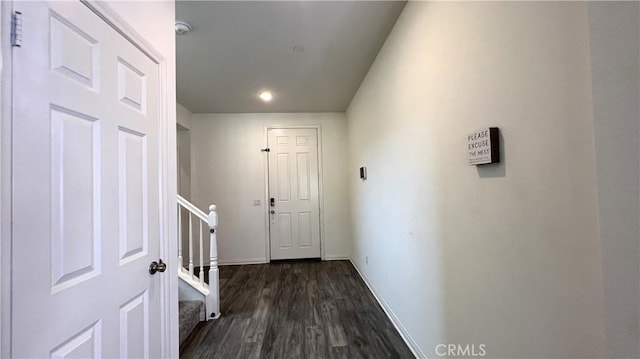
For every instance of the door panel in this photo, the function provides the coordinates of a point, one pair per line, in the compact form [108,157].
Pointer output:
[293,183]
[134,207]
[86,344]
[75,154]
[86,214]
[284,230]
[74,53]
[302,172]
[305,236]
[134,327]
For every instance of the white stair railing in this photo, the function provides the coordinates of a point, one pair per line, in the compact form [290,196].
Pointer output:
[210,290]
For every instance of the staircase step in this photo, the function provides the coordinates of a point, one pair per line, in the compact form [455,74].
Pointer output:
[190,315]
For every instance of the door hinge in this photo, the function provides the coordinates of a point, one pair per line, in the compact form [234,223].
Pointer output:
[16,29]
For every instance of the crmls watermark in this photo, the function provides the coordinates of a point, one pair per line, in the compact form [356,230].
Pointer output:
[459,350]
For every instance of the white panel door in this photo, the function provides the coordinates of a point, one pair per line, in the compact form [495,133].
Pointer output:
[86,211]
[293,192]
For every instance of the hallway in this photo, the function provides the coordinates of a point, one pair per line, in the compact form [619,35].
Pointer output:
[307,309]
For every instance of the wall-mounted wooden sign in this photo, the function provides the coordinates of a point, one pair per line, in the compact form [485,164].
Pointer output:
[484,146]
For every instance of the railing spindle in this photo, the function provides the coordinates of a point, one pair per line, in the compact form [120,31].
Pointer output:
[180,236]
[201,275]
[190,246]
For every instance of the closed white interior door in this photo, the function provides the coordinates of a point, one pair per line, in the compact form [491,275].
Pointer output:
[86,210]
[293,192]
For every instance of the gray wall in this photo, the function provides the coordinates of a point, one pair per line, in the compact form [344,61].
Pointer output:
[615,41]
[183,154]
[184,151]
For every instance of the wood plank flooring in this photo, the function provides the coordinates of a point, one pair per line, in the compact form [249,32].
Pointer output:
[308,309]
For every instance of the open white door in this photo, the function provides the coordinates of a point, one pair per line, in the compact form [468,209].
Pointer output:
[86,211]
[293,191]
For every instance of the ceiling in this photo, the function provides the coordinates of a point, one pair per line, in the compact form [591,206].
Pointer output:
[239,48]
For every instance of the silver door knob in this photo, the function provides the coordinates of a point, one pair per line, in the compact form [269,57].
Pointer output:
[159,266]
[273,212]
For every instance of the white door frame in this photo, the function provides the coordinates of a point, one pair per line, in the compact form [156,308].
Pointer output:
[5,179]
[168,252]
[267,221]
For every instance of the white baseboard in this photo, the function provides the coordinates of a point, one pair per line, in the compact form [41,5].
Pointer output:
[242,261]
[337,258]
[262,260]
[417,352]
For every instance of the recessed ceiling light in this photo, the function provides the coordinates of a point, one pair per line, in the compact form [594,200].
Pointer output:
[298,48]
[266,96]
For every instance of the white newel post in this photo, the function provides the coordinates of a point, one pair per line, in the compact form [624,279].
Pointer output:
[214,278]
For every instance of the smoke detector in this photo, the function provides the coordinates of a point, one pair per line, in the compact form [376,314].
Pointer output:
[182,27]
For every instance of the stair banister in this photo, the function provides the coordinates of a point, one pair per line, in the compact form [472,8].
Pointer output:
[188,275]
[214,278]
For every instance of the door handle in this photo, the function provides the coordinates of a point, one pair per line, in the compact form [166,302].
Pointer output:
[272,202]
[158,266]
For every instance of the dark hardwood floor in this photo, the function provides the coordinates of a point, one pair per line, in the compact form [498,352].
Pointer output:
[295,310]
